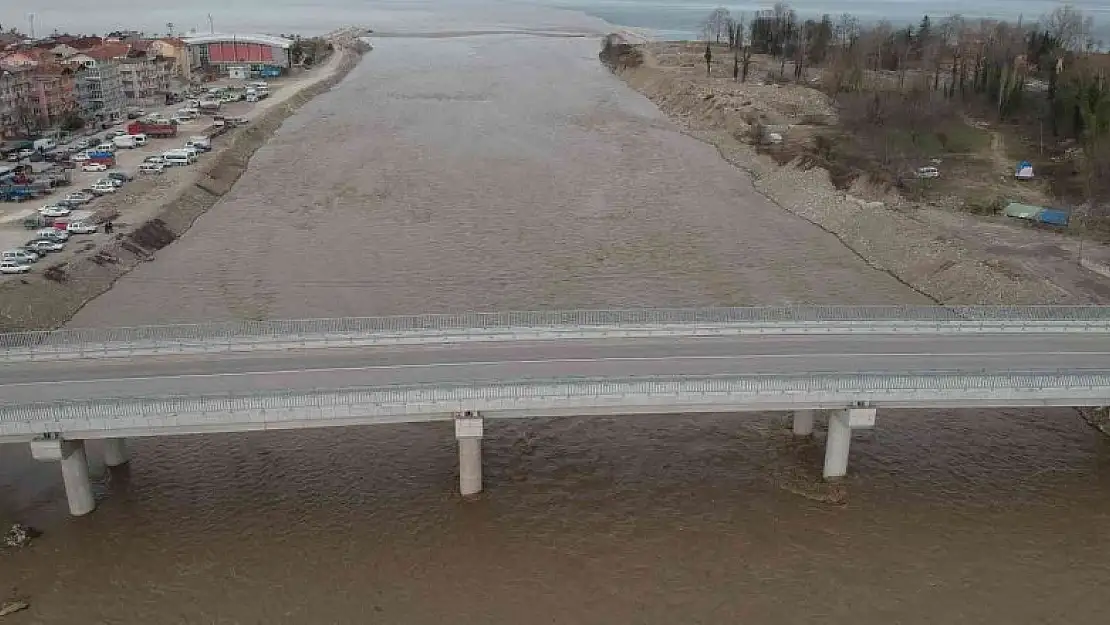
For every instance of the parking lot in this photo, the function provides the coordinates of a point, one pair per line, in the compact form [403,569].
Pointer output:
[132,201]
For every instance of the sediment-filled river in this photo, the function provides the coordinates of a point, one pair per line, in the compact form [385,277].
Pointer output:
[452,172]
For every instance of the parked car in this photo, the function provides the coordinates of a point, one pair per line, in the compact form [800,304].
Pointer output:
[152,168]
[103,187]
[45,245]
[81,144]
[80,157]
[81,227]
[112,181]
[14,266]
[94,167]
[157,160]
[76,198]
[26,153]
[53,234]
[119,176]
[54,210]
[20,256]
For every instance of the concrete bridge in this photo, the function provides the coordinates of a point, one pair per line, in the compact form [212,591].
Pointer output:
[62,388]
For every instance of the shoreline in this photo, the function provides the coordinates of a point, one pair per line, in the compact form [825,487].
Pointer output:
[921,246]
[40,303]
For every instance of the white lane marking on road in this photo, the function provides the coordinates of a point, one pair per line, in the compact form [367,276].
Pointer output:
[554,361]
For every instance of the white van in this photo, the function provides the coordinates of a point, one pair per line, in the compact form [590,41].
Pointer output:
[125,141]
[176,158]
[193,152]
[105,147]
[139,139]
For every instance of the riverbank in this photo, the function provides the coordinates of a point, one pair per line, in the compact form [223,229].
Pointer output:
[944,254]
[160,216]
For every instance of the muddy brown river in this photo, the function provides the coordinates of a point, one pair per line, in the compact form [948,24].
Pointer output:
[455,171]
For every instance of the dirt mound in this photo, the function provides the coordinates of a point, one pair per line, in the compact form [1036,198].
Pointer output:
[617,53]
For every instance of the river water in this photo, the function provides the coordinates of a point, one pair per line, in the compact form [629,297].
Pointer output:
[453,172]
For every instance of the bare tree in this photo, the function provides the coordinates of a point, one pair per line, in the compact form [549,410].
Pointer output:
[718,23]
[25,120]
[1070,27]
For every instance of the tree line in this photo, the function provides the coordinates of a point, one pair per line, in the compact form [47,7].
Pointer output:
[1049,73]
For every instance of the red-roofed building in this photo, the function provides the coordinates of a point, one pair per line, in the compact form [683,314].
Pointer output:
[109,51]
[84,43]
[22,59]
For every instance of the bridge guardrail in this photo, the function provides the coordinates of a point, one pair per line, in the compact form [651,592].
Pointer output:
[250,335]
[417,402]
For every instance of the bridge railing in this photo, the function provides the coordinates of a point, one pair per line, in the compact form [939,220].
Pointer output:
[584,395]
[71,342]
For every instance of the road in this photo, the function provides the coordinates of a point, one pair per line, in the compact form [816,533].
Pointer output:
[305,370]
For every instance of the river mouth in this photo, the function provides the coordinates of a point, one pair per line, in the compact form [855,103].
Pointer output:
[495,172]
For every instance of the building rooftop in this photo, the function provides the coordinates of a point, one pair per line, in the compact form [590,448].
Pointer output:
[109,51]
[266,40]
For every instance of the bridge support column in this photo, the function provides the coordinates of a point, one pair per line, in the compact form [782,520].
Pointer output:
[115,452]
[469,429]
[75,470]
[841,424]
[803,422]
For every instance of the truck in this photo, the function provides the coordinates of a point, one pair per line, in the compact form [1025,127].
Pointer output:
[201,142]
[152,128]
[209,106]
[42,145]
[106,158]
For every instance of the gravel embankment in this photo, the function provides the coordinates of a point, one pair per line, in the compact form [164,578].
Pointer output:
[886,234]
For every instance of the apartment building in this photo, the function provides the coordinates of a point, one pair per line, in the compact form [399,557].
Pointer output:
[15,89]
[99,85]
[145,81]
[53,94]
[176,54]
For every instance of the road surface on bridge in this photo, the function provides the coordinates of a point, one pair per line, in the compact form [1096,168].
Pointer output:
[480,363]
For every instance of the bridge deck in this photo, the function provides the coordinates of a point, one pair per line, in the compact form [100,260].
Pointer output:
[307,388]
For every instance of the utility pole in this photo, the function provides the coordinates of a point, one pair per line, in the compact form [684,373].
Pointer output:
[211,25]
[31,21]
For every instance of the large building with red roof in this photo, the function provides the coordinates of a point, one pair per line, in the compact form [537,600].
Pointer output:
[241,54]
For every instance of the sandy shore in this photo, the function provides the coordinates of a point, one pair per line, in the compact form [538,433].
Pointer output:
[155,211]
[946,255]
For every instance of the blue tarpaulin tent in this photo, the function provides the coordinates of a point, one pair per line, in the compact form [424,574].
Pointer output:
[1024,171]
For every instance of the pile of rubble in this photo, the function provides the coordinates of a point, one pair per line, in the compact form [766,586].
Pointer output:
[20,536]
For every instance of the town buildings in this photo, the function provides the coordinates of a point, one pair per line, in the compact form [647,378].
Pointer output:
[67,79]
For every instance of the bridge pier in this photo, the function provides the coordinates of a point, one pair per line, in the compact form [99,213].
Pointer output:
[75,470]
[115,452]
[469,429]
[841,424]
[803,422]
